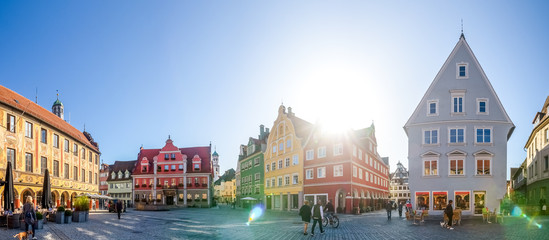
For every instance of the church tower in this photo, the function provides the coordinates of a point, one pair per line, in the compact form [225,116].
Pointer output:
[57,108]
[215,165]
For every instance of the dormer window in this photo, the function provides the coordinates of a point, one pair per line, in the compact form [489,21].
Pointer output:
[197,166]
[113,175]
[127,174]
[173,156]
[120,175]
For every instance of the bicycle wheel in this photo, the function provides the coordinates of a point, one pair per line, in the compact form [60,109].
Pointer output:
[325,221]
[335,222]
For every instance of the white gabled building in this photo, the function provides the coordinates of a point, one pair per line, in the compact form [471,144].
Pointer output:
[457,139]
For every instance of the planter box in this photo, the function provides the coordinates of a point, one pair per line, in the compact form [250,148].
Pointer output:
[68,219]
[13,221]
[60,218]
[87,216]
[39,224]
[78,216]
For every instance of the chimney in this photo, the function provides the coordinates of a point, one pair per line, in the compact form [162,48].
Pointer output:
[290,113]
[261,131]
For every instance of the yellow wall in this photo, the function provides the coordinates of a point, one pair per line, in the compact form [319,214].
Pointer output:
[282,130]
[33,180]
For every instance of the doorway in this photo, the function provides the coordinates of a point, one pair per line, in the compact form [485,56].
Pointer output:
[479,201]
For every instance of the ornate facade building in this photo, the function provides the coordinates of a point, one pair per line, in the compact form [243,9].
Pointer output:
[103,186]
[346,169]
[400,191]
[174,176]
[284,161]
[34,139]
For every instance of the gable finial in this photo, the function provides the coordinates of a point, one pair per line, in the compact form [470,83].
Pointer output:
[462,35]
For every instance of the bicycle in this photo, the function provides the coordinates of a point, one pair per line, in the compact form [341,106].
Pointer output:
[332,219]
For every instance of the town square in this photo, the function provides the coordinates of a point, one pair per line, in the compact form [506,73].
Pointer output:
[274,120]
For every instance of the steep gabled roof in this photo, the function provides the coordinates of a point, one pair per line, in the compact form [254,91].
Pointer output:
[302,127]
[27,107]
[461,44]
[121,166]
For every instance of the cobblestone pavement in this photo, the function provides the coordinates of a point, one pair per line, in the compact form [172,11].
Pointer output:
[226,223]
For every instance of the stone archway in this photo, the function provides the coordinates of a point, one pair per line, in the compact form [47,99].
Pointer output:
[39,198]
[55,198]
[339,200]
[26,193]
[64,199]
[73,198]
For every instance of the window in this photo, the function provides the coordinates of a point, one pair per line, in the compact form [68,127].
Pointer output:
[274,148]
[267,167]
[44,135]
[95,178]
[321,152]
[89,177]
[287,162]
[483,167]
[180,167]
[11,156]
[28,129]
[256,161]
[289,143]
[90,156]
[28,162]
[440,200]
[172,156]
[280,164]
[462,200]
[75,173]
[430,167]
[309,174]
[55,140]
[66,145]
[295,178]
[10,124]
[166,156]
[296,160]
[43,164]
[456,166]
[354,150]
[462,71]
[430,136]
[360,154]
[273,166]
[66,170]
[280,181]
[281,146]
[354,171]
[321,172]
[173,167]
[546,160]
[360,173]
[197,166]
[482,106]
[287,180]
[432,108]
[83,155]
[310,154]
[458,106]
[256,176]
[422,200]
[55,168]
[483,135]
[272,182]
[166,168]
[338,171]
[75,149]
[457,135]
[96,159]
[338,149]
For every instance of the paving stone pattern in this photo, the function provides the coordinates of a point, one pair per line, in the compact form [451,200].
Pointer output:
[226,223]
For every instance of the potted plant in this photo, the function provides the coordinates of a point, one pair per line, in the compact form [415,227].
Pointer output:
[68,216]
[81,205]
[60,215]
[39,224]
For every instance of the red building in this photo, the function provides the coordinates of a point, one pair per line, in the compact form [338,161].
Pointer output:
[173,176]
[346,169]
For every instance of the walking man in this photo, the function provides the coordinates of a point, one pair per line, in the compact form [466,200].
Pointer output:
[400,205]
[119,207]
[305,213]
[318,215]
[389,208]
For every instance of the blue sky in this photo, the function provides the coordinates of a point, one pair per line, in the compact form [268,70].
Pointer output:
[134,72]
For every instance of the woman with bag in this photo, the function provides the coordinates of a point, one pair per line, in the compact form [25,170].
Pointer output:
[30,215]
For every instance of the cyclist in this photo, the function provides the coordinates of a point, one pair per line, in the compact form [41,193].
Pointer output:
[329,209]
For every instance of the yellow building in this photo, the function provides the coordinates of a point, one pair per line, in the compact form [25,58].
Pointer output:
[284,161]
[225,192]
[33,139]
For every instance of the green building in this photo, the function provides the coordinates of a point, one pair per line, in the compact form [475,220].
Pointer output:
[251,171]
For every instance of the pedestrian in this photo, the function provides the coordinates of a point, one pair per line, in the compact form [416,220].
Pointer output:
[118,207]
[30,216]
[450,213]
[400,205]
[318,215]
[305,213]
[389,208]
